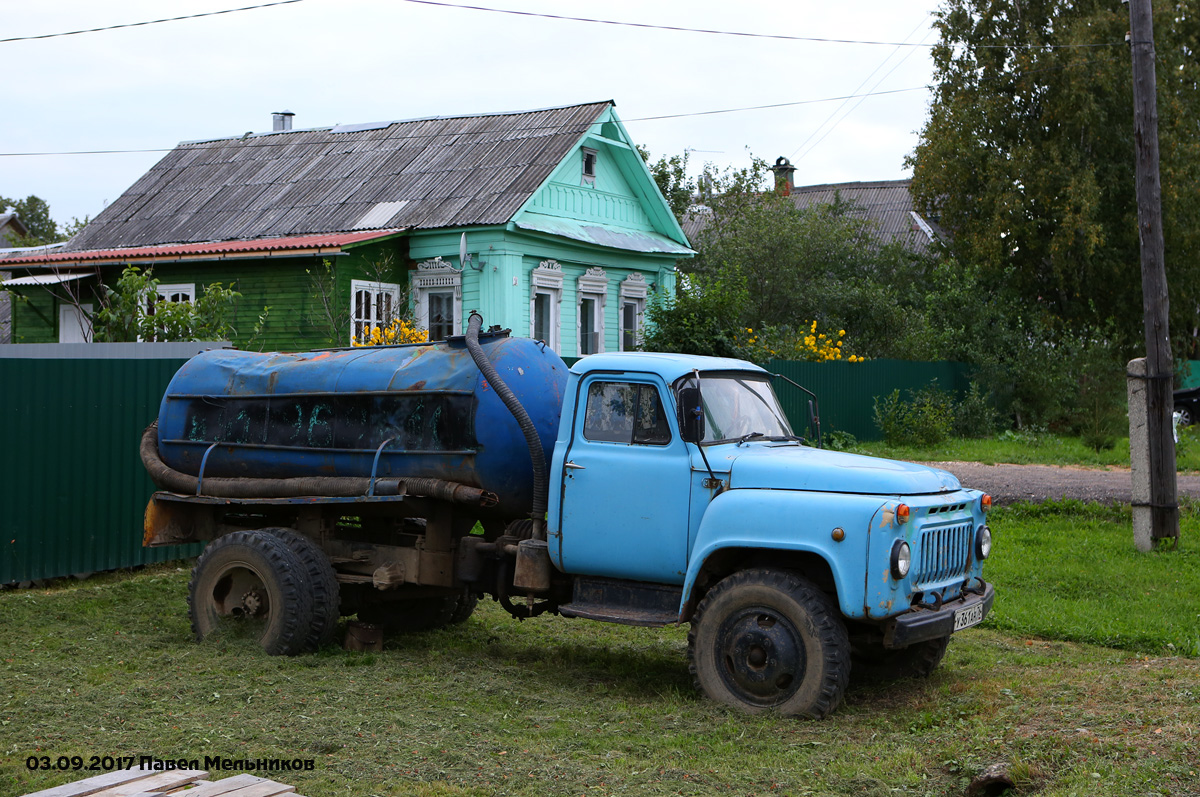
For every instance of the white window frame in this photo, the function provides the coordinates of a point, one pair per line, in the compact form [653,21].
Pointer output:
[436,277]
[592,284]
[547,280]
[166,290]
[163,293]
[375,316]
[633,291]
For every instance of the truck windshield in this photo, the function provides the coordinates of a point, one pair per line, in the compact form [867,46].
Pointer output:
[742,406]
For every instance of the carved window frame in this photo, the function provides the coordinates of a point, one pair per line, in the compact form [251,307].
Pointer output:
[547,280]
[591,285]
[436,277]
[633,291]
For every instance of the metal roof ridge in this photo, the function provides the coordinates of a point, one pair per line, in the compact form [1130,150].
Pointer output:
[856,184]
[357,126]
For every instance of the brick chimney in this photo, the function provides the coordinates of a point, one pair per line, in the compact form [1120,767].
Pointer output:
[784,171]
[281,120]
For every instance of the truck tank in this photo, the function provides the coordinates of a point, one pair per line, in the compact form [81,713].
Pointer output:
[328,413]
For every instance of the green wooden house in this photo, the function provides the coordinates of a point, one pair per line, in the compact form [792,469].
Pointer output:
[334,229]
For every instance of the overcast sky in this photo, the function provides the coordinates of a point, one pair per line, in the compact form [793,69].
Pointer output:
[345,61]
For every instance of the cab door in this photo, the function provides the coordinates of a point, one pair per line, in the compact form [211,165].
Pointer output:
[625,483]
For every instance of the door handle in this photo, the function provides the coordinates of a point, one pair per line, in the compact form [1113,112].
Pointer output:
[573,466]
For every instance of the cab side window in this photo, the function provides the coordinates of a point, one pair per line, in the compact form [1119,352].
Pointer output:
[625,412]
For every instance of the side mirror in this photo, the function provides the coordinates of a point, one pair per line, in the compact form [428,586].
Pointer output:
[691,414]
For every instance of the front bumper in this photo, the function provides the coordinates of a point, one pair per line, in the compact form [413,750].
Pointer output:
[921,625]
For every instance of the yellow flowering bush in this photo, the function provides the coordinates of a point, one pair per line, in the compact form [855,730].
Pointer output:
[401,330]
[807,344]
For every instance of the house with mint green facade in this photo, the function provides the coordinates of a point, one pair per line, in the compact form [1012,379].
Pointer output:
[329,232]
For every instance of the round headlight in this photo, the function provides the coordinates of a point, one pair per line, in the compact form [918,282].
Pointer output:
[901,559]
[983,543]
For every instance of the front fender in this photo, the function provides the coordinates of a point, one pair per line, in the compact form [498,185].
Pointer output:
[791,521]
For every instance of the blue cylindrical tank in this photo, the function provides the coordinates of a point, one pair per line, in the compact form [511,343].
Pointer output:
[327,413]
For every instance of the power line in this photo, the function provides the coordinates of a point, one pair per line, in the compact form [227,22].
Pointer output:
[220,142]
[147,22]
[857,88]
[780,36]
[216,145]
[588,20]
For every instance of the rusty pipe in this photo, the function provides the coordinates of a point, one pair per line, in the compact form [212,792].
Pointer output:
[171,480]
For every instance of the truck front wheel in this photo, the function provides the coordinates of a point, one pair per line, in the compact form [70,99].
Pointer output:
[768,640]
[252,581]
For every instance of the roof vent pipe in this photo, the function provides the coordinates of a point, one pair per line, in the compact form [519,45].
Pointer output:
[281,120]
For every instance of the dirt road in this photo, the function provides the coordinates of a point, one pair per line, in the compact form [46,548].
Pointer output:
[1011,483]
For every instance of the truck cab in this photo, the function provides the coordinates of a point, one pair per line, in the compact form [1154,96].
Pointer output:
[677,482]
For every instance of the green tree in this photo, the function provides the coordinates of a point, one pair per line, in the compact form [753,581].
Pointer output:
[672,178]
[34,213]
[132,311]
[819,263]
[1027,157]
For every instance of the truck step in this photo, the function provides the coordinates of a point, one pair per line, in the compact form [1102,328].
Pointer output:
[625,602]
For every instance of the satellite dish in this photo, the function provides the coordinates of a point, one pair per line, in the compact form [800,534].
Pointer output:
[462,251]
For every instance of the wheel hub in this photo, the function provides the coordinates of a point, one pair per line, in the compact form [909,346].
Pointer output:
[252,604]
[762,654]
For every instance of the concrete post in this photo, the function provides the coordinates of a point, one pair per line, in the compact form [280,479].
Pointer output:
[1139,454]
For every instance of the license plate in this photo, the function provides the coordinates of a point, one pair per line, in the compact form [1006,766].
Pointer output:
[965,618]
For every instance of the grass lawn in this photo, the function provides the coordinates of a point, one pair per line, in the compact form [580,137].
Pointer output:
[554,706]
[1030,449]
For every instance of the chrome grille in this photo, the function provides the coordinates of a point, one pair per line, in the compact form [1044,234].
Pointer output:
[945,552]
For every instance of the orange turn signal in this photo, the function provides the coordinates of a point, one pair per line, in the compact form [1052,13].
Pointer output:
[902,513]
[985,502]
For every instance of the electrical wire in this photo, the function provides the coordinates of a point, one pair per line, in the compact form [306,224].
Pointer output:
[147,22]
[218,143]
[858,88]
[559,17]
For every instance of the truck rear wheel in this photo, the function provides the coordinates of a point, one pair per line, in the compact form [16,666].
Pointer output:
[323,583]
[252,582]
[768,640]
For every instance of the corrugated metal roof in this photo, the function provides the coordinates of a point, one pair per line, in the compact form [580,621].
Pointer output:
[887,203]
[328,243]
[442,166]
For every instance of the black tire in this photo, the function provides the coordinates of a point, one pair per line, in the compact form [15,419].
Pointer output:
[464,607]
[768,640]
[1186,415]
[873,662]
[253,582]
[323,582]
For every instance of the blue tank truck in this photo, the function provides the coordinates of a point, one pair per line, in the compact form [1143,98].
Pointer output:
[402,483]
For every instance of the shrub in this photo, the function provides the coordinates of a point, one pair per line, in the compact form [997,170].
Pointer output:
[837,440]
[974,416]
[926,418]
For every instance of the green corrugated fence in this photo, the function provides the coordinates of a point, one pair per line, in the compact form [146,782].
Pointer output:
[72,486]
[847,391]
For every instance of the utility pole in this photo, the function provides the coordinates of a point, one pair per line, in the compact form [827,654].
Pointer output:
[1160,513]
